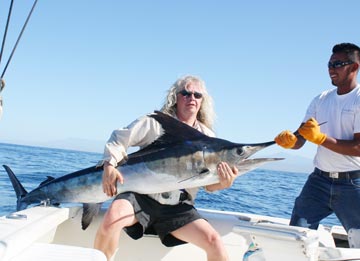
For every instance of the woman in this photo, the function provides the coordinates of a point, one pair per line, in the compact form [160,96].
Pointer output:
[170,215]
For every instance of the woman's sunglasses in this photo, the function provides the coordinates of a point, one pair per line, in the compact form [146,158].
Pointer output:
[186,94]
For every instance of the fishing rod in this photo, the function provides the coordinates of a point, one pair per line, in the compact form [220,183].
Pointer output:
[19,37]
[6,29]
[2,82]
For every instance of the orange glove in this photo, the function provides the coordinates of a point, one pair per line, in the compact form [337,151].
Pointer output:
[286,139]
[311,132]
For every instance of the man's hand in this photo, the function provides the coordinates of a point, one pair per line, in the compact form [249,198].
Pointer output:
[110,178]
[286,139]
[310,130]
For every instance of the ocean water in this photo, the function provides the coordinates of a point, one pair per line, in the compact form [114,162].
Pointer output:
[261,191]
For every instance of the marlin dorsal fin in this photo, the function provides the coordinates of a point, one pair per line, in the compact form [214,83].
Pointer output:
[175,132]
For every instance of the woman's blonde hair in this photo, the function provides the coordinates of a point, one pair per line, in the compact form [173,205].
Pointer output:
[206,114]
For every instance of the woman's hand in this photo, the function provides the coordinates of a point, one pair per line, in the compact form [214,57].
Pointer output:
[110,178]
[227,175]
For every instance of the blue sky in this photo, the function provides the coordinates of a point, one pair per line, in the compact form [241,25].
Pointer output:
[84,68]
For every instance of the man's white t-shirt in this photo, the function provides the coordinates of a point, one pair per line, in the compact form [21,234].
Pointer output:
[342,116]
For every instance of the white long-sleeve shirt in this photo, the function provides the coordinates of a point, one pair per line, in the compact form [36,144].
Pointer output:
[143,132]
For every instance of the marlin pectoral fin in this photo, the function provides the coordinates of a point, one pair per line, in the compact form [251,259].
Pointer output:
[203,171]
[89,211]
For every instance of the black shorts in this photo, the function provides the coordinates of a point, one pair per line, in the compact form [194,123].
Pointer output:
[157,219]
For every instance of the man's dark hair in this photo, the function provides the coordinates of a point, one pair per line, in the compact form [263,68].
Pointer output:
[352,51]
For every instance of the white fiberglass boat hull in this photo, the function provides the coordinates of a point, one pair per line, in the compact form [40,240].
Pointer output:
[49,233]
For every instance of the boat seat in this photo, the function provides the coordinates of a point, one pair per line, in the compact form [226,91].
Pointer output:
[271,241]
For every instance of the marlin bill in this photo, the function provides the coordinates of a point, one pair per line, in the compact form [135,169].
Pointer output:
[180,158]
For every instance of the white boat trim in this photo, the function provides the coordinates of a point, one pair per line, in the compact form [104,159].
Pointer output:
[51,233]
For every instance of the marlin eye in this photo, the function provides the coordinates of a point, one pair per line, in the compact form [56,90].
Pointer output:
[239,151]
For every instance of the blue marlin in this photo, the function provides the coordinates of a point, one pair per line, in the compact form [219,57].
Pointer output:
[180,158]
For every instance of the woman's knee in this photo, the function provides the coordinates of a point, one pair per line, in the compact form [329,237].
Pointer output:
[119,214]
[216,246]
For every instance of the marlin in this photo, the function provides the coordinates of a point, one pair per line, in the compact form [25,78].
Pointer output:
[180,158]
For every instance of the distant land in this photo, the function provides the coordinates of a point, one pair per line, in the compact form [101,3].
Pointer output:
[67,144]
[290,163]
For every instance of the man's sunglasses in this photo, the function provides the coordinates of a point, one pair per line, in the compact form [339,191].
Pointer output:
[338,64]
[186,94]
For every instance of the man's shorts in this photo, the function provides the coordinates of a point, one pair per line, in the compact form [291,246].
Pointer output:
[157,219]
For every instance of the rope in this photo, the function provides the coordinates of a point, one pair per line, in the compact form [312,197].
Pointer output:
[17,41]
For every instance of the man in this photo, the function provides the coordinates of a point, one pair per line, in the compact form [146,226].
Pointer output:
[170,215]
[332,121]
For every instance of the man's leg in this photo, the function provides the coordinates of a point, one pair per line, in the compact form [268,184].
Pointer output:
[347,208]
[313,204]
